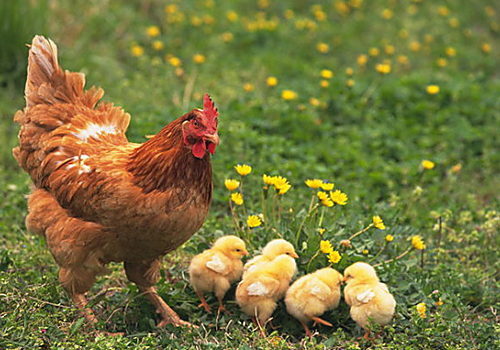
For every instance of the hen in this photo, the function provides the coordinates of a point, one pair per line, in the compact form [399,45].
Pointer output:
[98,198]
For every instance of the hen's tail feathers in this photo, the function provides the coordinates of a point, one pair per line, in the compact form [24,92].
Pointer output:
[46,83]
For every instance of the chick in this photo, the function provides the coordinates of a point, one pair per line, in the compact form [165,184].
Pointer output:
[259,291]
[215,269]
[272,249]
[312,295]
[369,299]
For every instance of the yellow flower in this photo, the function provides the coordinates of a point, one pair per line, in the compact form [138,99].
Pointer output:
[350,83]
[253,221]
[227,37]
[314,101]
[365,251]
[486,47]
[272,81]
[324,83]
[288,95]
[282,187]
[327,186]
[327,203]
[450,51]
[421,308]
[321,230]
[137,50]
[157,45]
[323,47]
[362,60]
[199,58]
[402,59]
[339,197]
[153,31]
[171,9]
[428,165]
[346,243]
[326,74]
[237,198]
[349,71]
[373,51]
[334,257]
[443,11]
[323,196]
[231,184]
[390,49]
[383,68]
[232,16]
[320,15]
[439,302]
[454,22]
[442,62]
[314,183]
[417,243]
[268,180]
[248,87]
[415,46]
[378,223]
[432,89]
[243,170]
[174,61]
[387,14]
[325,247]
[389,238]
[456,168]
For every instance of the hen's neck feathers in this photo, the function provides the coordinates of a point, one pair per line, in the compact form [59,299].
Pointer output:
[165,162]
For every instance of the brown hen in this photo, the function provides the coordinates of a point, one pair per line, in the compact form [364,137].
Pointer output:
[98,198]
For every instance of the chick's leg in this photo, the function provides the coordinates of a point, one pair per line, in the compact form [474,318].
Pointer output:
[204,303]
[306,328]
[320,321]
[145,274]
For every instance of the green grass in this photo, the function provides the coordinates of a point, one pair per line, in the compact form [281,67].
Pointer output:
[369,139]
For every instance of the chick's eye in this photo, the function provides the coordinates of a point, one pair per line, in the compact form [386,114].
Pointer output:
[238,250]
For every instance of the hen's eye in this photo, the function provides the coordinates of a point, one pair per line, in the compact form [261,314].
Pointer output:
[195,123]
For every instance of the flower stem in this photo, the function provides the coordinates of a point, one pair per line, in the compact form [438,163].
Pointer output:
[360,232]
[396,258]
[299,231]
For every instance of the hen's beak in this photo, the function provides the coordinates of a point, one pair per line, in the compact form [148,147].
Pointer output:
[214,138]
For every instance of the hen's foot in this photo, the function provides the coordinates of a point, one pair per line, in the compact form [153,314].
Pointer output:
[81,303]
[168,315]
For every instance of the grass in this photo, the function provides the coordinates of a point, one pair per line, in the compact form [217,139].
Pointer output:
[365,131]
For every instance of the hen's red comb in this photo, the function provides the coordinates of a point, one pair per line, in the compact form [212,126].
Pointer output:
[209,109]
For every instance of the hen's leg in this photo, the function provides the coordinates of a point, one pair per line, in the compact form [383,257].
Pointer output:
[145,274]
[77,282]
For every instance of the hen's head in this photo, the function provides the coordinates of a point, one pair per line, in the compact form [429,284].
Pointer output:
[199,130]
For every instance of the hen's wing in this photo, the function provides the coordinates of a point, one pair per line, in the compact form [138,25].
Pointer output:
[61,127]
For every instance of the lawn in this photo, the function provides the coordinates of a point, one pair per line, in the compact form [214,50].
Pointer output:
[394,102]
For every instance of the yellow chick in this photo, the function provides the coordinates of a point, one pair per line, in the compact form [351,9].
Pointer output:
[215,269]
[312,295]
[272,249]
[258,293]
[369,299]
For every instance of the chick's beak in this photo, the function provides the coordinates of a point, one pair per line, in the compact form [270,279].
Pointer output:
[245,252]
[294,255]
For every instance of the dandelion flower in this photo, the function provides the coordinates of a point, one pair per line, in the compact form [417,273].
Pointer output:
[137,50]
[272,81]
[248,87]
[486,47]
[227,37]
[288,95]
[442,62]
[415,46]
[314,183]
[232,16]
[327,203]
[387,14]
[323,47]
[421,308]
[349,71]
[231,184]
[432,89]
[383,68]
[325,247]
[321,230]
[243,170]
[389,238]
[157,45]
[268,180]
[323,196]
[346,243]
[339,197]
[378,223]
[362,60]
[456,168]
[254,221]
[174,61]
[417,243]
[282,187]
[153,31]
[199,58]
[324,84]
[365,251]
[327,186]
[428,165]
[390,49]
[350,83]
[334,257]
[450,51]
[373,51]
[313,101]
[237,198]
[326,74]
